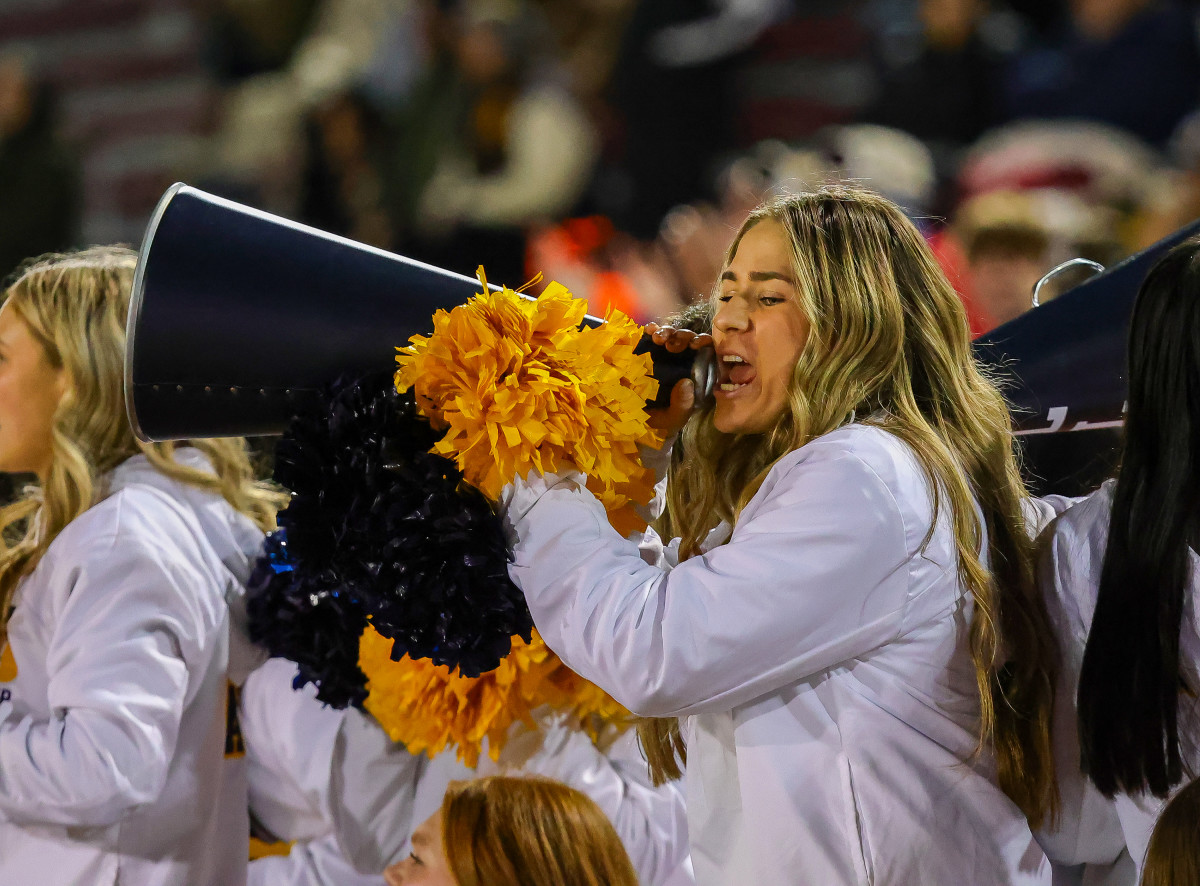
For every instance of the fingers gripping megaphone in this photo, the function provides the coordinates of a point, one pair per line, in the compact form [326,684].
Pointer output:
[237,316]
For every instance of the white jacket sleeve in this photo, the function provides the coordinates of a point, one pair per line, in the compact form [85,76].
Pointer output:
[289,738]
[310,863]
[818,574]
[130,631]
[380,792]
[651,822]
[1041,512]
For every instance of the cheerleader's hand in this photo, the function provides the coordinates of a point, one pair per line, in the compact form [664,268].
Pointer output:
[683,395]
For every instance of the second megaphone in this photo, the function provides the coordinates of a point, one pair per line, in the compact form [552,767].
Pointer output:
[237,315]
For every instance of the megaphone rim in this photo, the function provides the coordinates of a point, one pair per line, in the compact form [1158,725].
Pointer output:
[135,304]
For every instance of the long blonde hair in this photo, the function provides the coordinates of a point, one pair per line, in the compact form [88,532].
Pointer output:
[507,831]
[889,343]
[75,306]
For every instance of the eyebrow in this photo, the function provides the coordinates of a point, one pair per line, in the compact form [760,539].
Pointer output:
[419,839]
[760,277]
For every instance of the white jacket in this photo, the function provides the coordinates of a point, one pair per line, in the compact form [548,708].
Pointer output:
[113,763]
[1095,829]
[819,661]
[335,783]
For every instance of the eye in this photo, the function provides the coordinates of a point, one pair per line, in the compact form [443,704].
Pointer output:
[416,860]
[724,297]
[769,300]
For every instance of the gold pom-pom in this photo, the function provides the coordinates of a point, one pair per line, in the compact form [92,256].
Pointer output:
[428,708]
[519,385]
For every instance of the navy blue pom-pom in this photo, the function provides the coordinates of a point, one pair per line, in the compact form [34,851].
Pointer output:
[390,531]
[304,616]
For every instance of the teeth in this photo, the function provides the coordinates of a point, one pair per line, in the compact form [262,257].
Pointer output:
[732,358]
[730,386]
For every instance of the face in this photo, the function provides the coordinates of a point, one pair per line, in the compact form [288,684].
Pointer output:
[30,391]
[426,865]
[758,331]
[1004,284]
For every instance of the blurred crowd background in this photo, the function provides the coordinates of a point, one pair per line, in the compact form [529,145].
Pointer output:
[613,145]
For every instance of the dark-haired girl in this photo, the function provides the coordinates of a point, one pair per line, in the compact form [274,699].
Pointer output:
[1122,582]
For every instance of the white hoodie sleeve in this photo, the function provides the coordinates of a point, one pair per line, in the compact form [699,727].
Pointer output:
[816,573]
[133,626]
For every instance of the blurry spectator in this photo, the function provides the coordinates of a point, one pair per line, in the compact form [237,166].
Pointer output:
[258,153]
[945,88]
[425,128]
[1112,184]
[811,69]
[1175,201]
[250,37]
[1007,247]
[1011,239]
[894,163]
[525,148]
[39,188]
[1131,63]
[583,254]
[588,34]
[344,189]
[674,90]
[1100,163]
[651,280]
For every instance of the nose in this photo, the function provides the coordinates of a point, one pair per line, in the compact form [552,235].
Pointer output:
[731,316]
[394,874]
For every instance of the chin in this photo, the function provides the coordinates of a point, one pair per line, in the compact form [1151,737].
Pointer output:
[741,420]
[727,421]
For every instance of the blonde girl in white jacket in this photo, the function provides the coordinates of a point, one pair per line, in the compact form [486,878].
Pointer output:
[845,636]
[117,607]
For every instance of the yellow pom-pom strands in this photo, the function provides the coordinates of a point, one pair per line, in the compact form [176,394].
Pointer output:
[519,386]
[515,384]
[428,708]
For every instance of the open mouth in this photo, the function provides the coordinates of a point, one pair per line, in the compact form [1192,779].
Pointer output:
[734,373]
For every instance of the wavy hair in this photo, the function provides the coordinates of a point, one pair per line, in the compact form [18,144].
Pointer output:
[507,831]
[75,305]
[889,343]
[1130,680]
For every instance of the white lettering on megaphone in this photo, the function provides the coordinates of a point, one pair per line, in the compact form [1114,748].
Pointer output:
[1057,416]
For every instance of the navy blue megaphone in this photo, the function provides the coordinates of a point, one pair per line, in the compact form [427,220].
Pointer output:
[1065,362]
[237,316]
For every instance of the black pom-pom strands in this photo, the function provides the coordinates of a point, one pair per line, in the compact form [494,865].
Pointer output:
[380,531]
[301,614]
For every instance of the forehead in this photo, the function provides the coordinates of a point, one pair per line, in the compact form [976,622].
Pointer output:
[765,246]
[11,325]
[429,831]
